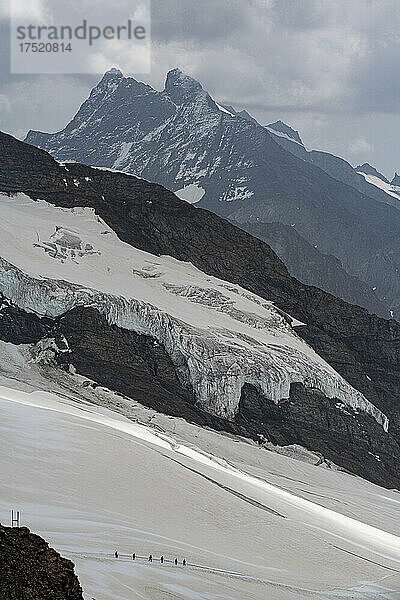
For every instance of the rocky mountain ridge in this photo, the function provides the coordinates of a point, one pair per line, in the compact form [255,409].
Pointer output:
[30,570]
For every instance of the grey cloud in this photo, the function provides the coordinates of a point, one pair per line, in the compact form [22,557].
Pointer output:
[307,61]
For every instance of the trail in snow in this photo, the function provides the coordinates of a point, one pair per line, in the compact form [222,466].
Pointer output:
[357,533]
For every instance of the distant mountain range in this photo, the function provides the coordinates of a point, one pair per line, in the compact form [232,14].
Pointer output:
[364,178]
[346,226]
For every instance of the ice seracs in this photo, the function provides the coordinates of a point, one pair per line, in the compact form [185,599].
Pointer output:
[219,335]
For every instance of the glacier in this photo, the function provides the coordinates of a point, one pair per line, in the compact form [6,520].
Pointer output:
[219,335]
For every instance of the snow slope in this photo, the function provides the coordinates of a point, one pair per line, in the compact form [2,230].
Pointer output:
[392,190]
[257,525]
[218,335]
[284,136]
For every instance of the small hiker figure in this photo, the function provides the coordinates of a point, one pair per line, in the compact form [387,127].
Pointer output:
[150,558]
[133,556]
[116,554]
[176,562]
[184,562]
[162,560]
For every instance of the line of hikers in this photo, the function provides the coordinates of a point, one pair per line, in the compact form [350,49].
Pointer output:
[150,559]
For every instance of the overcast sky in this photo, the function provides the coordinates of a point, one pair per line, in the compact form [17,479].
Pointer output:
[329,68]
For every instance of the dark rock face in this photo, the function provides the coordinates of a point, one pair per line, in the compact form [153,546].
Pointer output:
[179,137]
[307,263]
[30,570]
[350,439]
[363,348]
[396,179]
[281,127]
[133,364]
[138,367]
[20,327]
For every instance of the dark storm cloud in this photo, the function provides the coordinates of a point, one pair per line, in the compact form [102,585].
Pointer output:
[207,21]
[320,54]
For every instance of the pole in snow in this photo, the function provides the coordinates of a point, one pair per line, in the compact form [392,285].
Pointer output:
[15,518]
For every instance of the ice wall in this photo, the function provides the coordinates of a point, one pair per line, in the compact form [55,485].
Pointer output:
[214,362]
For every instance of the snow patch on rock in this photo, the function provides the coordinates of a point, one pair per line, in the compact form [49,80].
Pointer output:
[392,190]
[191,193]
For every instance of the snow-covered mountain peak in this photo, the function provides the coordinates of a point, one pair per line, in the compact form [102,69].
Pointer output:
[181,87]
[281,127]
[368,169]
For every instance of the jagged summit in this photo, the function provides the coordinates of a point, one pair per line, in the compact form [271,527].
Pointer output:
[113,72]
[396,179]
[181,138]
[110,76]
[245,115]
[370,170]
[181,87]
[281,127]
[110,81]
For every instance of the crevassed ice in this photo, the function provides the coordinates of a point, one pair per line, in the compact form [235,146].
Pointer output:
[218,335]
[215,370]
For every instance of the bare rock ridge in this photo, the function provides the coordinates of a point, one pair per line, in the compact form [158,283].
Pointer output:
[30,570]
[281,127]
[396,180]
[370,170]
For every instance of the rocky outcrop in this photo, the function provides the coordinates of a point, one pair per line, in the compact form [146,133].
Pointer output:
[396,180]
[18,326]
[30,570]
[288,132]
[138,367]
[345,436]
